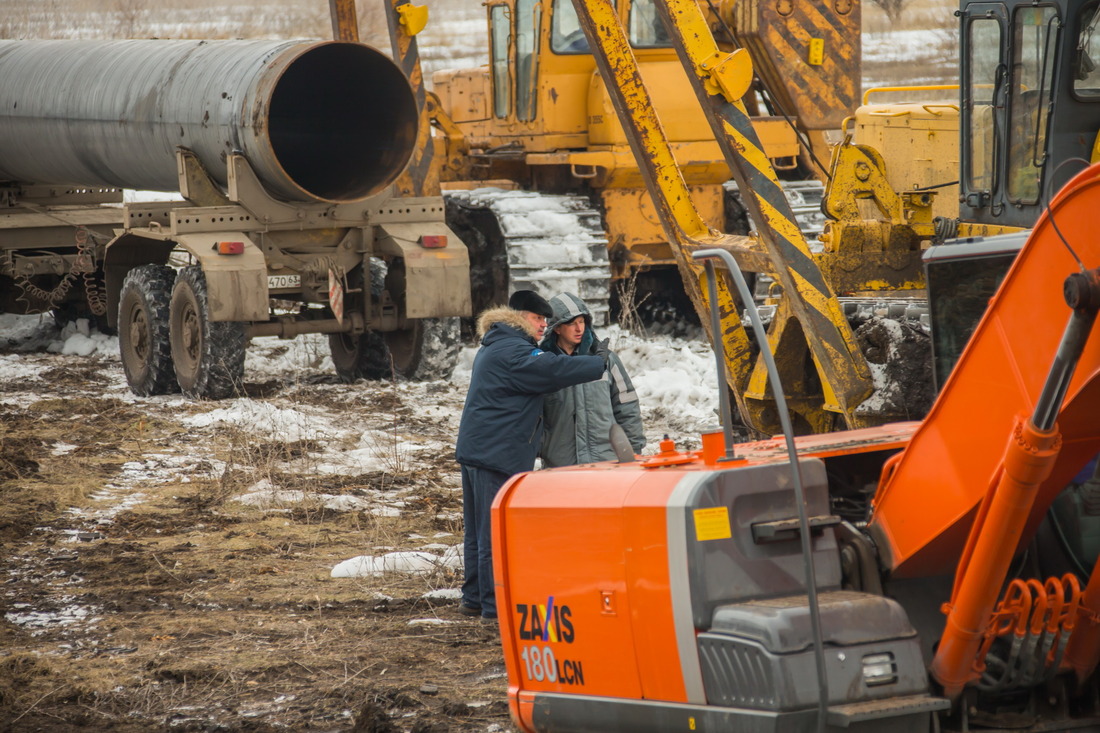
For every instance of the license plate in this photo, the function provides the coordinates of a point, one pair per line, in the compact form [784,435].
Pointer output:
[279,282]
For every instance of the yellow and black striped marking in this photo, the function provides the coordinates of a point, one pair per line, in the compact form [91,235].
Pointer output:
[421,176]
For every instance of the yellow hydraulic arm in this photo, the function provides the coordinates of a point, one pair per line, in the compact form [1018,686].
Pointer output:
[809,322]
[405,21]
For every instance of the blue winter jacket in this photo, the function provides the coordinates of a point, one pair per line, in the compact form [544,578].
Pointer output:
[501,426]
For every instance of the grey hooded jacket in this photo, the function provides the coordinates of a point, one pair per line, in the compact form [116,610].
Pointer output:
[578,419]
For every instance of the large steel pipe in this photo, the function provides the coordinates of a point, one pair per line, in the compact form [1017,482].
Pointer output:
[317,121]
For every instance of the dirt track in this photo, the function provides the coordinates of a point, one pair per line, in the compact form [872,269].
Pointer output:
[139,594]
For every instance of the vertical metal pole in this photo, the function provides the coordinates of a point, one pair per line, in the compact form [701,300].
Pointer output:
[719,360]
[345,21]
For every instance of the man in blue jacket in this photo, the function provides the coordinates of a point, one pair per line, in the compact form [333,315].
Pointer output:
[501,427]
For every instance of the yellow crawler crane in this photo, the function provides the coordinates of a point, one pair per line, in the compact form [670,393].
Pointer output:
[540,119]
[813,343]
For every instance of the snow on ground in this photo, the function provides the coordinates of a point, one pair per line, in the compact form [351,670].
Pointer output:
[675,379]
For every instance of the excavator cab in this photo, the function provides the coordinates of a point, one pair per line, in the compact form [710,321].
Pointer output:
[1030,104]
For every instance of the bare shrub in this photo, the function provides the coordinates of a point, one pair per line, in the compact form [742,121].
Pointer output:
[373,29]
[892,8]
[629,303]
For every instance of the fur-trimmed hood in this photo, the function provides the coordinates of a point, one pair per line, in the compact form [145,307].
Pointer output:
[507,316]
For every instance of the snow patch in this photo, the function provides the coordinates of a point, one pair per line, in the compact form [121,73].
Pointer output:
[443,594]
[414,563]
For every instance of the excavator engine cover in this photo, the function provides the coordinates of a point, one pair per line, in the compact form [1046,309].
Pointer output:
[672,597]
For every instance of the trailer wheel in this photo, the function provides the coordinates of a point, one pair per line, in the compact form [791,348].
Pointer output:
[143,330]
[426,351]
[362,356]
[208,356]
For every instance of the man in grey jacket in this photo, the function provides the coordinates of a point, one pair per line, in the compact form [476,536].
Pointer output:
[578,418]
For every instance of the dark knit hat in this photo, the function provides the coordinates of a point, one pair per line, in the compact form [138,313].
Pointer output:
[529,300]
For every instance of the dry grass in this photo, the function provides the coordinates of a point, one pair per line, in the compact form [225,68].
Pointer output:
[211,614]
[629,302]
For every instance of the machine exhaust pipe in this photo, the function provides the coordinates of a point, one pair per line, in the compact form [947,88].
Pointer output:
[317,121]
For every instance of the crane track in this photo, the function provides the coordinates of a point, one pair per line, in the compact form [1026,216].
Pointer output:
[550,243]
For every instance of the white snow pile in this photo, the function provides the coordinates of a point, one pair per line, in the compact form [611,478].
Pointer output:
[25,615]
[274,357]
[676,380]
[40,333]
[290,424]
[443,594]
[413,563]
[344,448]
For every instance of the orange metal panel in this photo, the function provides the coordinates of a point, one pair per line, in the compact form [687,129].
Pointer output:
[647,575]
[553,579]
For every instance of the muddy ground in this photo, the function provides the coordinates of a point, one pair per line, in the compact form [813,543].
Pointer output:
[139,594]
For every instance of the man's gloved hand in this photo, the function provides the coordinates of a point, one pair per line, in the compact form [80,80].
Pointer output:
[600,349]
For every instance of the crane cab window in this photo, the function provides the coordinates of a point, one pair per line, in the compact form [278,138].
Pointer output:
[566,34]
[528,17]
[500,38]
[984,64]
[514,31]
[646,28]
[1086,60]
[1035,42]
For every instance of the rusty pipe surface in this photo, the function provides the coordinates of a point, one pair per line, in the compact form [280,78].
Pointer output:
[330,121]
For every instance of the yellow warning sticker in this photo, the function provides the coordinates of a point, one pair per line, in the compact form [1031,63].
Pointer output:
[712,524]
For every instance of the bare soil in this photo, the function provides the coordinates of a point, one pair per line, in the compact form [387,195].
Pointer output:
[160,603]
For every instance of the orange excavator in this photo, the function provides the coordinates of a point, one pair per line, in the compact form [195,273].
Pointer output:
[880,579]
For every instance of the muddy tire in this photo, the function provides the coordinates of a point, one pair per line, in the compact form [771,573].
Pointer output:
[362,356]
[426,351]
[143,330]
[208,357]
